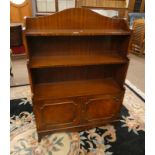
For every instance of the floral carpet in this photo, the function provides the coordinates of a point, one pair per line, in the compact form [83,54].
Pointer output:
[126,137]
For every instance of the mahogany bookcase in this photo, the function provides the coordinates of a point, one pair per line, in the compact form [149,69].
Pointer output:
[77,64]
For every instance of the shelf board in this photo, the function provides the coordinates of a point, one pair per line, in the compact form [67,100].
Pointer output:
[75,88]
[77,60]
[71,32]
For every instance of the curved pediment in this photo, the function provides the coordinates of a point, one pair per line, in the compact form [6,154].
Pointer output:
[75,19]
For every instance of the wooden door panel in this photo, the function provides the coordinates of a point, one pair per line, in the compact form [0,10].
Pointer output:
[19,11]
[57,113]
[102,107]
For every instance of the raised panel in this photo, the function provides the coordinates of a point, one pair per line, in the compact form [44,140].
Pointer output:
[54,113]
[102,107]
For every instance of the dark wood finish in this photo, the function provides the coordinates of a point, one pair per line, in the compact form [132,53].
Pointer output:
[77,63]
[79,73]
[75,32]
[75,19]
[58,61]
[52,115]
[75,88]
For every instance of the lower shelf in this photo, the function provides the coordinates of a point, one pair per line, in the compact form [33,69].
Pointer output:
[75,88]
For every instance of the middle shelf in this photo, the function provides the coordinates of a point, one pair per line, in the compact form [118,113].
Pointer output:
[75,60]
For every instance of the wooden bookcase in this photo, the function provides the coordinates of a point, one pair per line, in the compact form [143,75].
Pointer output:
[77,63]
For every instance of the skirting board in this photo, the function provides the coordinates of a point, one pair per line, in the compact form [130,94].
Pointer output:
[135,89]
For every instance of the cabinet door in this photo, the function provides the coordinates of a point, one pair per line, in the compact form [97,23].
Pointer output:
[101,107]
[56,113]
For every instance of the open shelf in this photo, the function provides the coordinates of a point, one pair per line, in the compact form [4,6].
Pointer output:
[70,32]
[77,60]
[76,88]
[77,63]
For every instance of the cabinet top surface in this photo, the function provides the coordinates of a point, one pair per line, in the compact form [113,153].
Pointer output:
[76,88]
[76,21]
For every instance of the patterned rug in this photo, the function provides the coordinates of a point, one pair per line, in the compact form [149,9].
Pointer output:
[126,137]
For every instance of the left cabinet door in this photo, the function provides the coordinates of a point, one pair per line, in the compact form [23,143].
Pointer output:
[56,113]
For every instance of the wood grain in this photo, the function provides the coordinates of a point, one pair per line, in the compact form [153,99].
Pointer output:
[75,88]
[77,66]
[60,61]
[75,19]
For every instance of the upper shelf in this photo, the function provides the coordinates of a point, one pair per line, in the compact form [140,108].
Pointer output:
[76,21]
[62,61]
[71,32]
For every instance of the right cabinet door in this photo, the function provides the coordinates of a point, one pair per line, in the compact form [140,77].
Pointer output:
[101,107]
